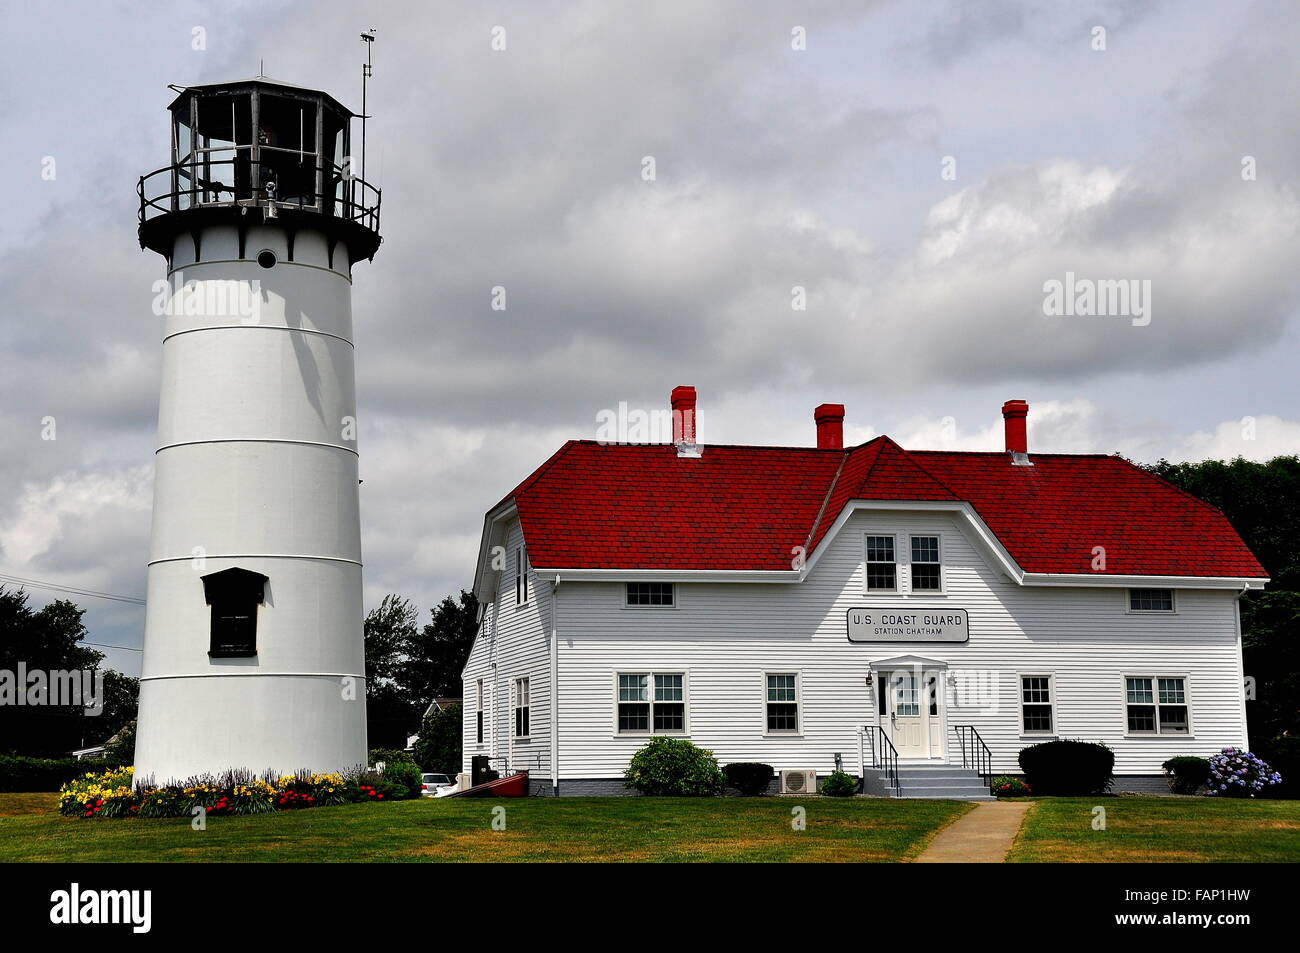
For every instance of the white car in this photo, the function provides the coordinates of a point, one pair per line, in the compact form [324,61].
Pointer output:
[436,785]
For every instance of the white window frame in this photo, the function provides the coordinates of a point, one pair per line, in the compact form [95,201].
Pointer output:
[867,562]
[521,576]
[1155,703]
[650,672]
[1051,703]
[1173,603]
[515,707]
[480,732]
[911,579]
[797,732]
[672,587]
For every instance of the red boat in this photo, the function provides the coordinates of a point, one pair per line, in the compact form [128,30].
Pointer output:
[514,785]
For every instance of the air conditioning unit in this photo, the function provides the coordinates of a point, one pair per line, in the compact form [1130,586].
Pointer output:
[798,782]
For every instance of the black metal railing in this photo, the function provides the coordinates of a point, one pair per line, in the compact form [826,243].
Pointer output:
[199,183]
[975,754]
[884,756]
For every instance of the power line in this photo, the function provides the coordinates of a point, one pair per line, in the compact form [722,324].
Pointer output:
[106,645]
[71,590]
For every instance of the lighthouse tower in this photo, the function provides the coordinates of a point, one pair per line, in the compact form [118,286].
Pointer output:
[253,653]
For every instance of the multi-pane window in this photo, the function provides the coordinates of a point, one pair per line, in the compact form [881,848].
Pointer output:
[782,703]
[882,567]
[907,699]
[521,576]
[519,701]
[478,712]
[1151,600]
[669,712]
[1156,705]
[925,564]
[650,594]
[1036,704]
[651,702]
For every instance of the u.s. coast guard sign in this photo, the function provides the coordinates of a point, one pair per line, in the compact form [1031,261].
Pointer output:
[908,625]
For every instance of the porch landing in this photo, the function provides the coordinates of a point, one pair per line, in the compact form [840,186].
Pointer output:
[929,780]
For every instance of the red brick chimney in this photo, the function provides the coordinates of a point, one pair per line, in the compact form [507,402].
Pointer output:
[683,401]
[830,426]
[1014,413]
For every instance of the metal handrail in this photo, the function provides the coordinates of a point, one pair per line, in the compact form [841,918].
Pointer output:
[884,756]
[342,194]
[975,754]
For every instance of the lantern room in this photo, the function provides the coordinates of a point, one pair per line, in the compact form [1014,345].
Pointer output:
[263,147]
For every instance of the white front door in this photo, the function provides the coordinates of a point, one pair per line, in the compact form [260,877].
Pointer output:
[913,716]
[907,722]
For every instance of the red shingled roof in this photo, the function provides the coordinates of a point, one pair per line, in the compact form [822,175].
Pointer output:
[618,506]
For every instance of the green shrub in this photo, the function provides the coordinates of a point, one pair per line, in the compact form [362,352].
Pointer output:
[1186,774]
[1067,768]
[390,756]
[674,767]
[404,779]
[750,778]
[1005,785]
[21,773]
[839,784]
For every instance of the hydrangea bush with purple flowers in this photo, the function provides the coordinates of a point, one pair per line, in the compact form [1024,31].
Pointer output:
[1236,773]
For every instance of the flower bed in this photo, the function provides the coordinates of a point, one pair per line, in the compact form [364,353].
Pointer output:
[1005,785]
[114,793]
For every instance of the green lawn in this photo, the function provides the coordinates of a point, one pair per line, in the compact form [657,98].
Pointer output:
[1160,830]
[538,829]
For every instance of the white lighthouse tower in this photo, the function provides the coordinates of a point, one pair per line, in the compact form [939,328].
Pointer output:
[253,653]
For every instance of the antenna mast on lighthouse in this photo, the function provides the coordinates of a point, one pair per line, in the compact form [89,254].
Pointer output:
[366,72]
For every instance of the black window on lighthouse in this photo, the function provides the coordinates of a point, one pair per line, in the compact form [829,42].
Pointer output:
[234,595]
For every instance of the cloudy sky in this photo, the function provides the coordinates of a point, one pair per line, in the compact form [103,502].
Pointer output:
[920,169]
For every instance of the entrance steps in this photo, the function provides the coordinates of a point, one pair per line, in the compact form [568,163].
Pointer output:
[931,781]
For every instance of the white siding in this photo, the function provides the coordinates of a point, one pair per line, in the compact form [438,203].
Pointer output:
[725,636]
[513,642]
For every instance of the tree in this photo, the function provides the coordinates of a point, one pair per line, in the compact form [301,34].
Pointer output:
[121,702]
[440,741]
[1262,502]
[48,640]
[407,666]
[437,654]
[390,711]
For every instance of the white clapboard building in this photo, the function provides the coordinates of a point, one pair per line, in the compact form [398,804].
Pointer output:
[917,617]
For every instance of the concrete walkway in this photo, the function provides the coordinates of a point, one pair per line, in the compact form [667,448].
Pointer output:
[982,836]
